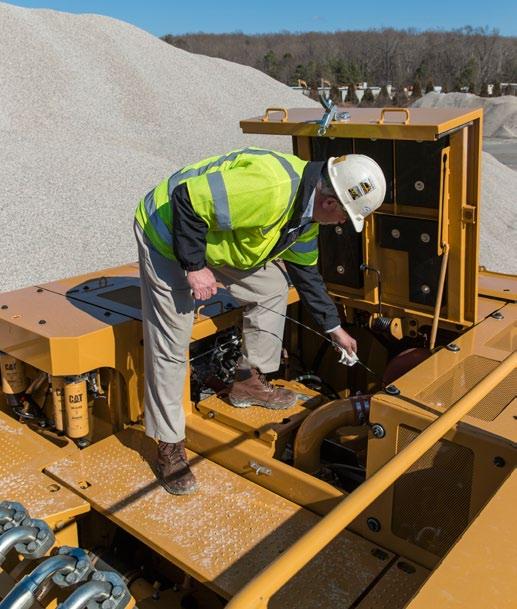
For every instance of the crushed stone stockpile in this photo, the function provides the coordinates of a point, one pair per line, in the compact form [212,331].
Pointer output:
[94,112]
[500,113]
[498,251]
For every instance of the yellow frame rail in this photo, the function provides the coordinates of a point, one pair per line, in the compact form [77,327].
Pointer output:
[257,593]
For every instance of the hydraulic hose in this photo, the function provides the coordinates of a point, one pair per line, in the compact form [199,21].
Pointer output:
[322,421]
[91,591]
[23,595]
[13,537]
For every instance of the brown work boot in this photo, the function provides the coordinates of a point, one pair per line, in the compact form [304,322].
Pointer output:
[173,469]
[251,388]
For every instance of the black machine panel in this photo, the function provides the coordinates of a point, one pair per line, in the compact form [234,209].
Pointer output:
[382,152]
[417,237]
[341,255]
[341,248]
[418,171]
[323,148]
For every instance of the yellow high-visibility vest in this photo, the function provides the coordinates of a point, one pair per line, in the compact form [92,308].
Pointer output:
[245,198]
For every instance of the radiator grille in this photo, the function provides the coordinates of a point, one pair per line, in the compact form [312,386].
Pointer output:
[431,501]
[453,385]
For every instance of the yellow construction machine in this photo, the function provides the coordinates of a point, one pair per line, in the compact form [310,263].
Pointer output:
[389,484]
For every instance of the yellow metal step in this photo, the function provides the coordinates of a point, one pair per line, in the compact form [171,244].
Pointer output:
[23,455]
[224,534]
[265,424]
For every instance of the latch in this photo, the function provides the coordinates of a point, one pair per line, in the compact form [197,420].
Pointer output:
[469,214]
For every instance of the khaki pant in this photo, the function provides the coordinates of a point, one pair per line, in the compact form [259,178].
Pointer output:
[167,315]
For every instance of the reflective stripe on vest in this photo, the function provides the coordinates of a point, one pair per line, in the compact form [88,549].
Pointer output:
[154,212]
[304,250]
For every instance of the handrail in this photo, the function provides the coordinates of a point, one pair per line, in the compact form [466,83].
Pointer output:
[256,594]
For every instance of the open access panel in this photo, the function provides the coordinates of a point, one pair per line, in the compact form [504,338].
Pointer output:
[431,161]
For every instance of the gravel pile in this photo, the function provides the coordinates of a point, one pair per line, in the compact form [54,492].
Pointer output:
[500,113]
[498,216]
[93,113]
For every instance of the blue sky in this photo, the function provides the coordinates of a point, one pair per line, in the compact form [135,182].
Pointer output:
[260,16]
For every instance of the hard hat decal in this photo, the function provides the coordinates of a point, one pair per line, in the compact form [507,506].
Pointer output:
[367,186]
[359,184]
[355,193]
[361,189]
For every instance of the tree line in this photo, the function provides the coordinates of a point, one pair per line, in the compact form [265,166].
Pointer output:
[465,58]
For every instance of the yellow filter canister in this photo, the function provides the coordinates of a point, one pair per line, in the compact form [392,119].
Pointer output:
[13,375]
[58,402]
[76,409]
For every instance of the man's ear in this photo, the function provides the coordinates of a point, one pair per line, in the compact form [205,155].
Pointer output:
[330,203]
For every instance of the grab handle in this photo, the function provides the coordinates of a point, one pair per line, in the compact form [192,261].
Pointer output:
[265,118]
[384,110]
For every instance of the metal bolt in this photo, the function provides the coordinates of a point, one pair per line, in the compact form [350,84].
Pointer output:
[453,347]
[378,430]
[425,237]
[117,591]
[395,233]
[26,522]
[107,604]
[373,524]
[499,462]
[425,289]
[41,535]
[339,230]
[31,546]
[497,315]
[419,185]
[70,578]
[340,269]
[98,576]
[392,390]
[81,565]
[211,414]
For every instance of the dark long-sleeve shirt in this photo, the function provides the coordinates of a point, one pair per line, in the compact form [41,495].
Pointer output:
[189,243]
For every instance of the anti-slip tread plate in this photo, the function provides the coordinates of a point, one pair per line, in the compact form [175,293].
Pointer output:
[23,454]
[225,533]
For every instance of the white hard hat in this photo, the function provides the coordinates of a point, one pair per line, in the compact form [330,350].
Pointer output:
[359,184]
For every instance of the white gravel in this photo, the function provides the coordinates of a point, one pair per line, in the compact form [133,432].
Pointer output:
[498,216]
[94,112]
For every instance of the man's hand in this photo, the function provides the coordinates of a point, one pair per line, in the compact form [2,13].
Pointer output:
[343,339]
[202,283]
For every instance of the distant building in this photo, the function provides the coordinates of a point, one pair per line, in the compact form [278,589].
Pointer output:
[359,90]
